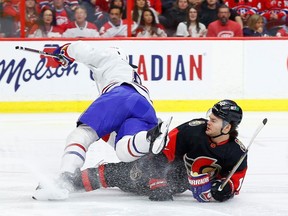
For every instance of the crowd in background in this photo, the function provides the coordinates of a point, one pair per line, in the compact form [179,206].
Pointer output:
[150,18]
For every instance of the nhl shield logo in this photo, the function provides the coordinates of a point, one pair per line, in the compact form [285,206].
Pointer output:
[196,122]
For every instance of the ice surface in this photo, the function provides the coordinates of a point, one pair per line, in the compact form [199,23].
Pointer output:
[31,147]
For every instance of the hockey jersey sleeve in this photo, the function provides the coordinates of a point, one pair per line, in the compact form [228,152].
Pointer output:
[83,52]
[237,180]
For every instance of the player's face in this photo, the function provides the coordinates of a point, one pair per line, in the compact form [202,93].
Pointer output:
[214,125]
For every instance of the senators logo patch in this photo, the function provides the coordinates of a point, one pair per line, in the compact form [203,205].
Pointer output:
[196,122]
[135,173]
[202,165]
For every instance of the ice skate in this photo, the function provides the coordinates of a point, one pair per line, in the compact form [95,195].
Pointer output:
[158,136]
[60,188]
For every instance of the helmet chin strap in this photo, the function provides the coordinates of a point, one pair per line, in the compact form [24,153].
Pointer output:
[219,134]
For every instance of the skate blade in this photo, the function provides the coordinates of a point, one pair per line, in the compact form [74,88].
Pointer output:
[160,142]
[51,195]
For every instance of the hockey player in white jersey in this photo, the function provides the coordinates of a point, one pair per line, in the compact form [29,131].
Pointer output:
[123,114]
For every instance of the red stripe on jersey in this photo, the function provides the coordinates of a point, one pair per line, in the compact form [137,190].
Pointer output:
[101,169]
[106,137]
[129,149]
[106,88]
[157,183]
[76,144]
[85,180]
[170,149]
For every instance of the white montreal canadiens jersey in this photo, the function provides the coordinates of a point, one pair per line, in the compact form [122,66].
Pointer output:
[108,67]
[74,31]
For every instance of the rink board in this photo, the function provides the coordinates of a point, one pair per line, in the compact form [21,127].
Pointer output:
[182,75]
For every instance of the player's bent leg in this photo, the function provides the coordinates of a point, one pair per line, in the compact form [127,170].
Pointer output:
[77,145]
[74,156]
[130,148]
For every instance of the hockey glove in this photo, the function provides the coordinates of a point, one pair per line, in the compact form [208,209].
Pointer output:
[159,190]
[62,57]
[224,194]
[200,187]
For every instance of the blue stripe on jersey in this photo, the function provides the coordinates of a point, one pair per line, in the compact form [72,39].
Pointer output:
[75,153]
[134,146]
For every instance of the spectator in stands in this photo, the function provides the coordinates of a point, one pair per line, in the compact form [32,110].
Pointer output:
[283,32]
[224,27]
[121,4]
[100,16]
[41,4]
[255,27]
[172,17]
[275,15]
[191,27]
[72,4]
[155,4]
[195,3]
[208,12]
[11,17]
[149,25]
[64,15]
[81,27]
[116,26]
[31,16]
[245,8]
[2,34]
[138,7]
[96,10]
[46,27]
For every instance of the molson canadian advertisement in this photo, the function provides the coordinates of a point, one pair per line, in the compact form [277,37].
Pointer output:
[183,74]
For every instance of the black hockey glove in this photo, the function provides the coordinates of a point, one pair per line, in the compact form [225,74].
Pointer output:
[223,195]
[159,190]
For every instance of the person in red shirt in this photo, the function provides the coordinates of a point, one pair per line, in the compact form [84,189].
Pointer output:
[245,8]
[223,27]
[64,15]
[155,4]
[31,15]
[283,32]
[11,18]
[275,14]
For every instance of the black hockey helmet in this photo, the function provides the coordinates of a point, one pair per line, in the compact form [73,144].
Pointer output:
[229,111]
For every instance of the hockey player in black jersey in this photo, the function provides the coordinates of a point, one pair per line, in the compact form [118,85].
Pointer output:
[199,155]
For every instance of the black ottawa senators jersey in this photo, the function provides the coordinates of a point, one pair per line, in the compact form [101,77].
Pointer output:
[190,141]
